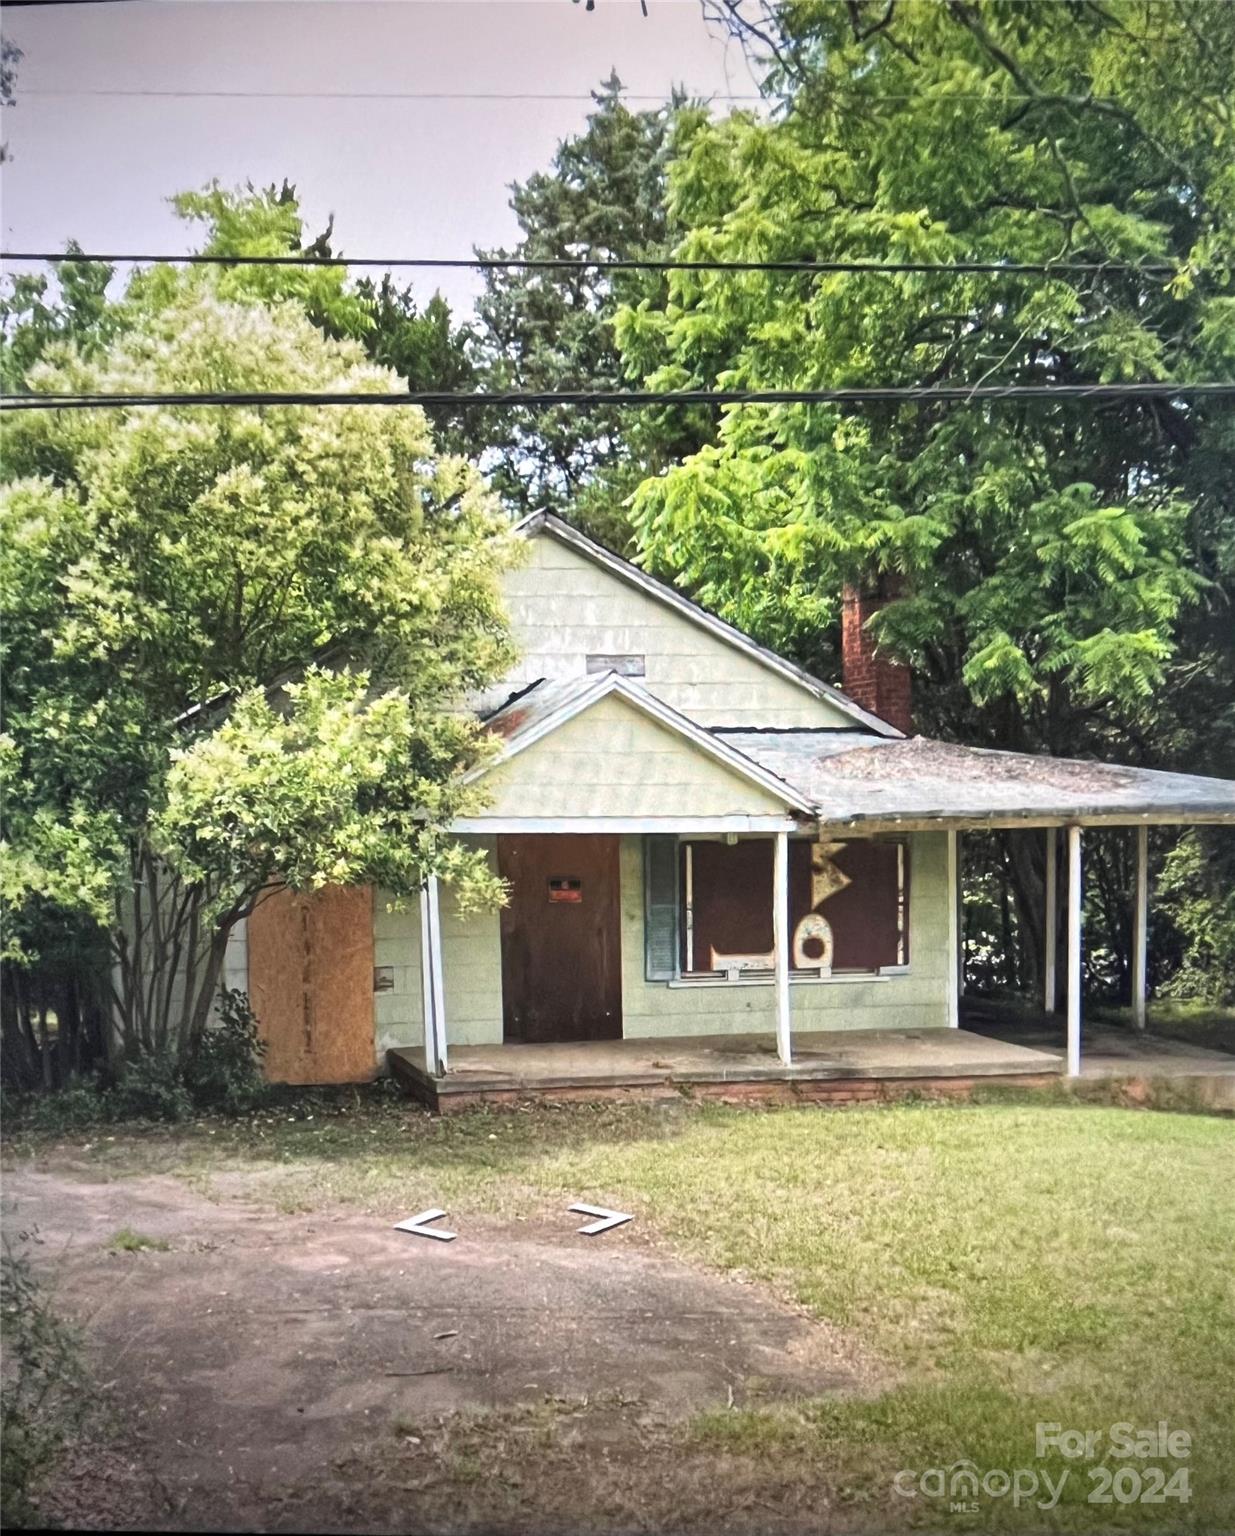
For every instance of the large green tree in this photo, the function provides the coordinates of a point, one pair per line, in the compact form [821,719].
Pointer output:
[1064,568]
[419,340]
[602,198]
[232,642]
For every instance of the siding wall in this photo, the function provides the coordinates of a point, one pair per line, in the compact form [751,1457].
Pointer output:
[236,958]
[612,760]
[563,608]
[472,960]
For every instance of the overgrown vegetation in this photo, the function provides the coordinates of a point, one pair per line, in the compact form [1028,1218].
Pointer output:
[1060,575]
[223,1076]
[45,1391]
[231,642]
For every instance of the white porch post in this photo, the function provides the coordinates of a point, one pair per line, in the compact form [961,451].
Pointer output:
[954,959]
[431,978]
[780,915]
[1050,923]
[1074,951]
[1140,929]
[426,988]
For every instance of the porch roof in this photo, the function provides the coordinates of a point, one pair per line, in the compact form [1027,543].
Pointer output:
[852,777]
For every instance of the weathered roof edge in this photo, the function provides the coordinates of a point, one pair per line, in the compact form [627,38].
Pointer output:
[1156,794]
[548,522]
[602,685]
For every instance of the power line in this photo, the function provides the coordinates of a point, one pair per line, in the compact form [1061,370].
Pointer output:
[854,98]
[840,396]
[491,96]
[602,264]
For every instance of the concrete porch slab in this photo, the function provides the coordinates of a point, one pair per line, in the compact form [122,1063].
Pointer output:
[1107,1050]
[838,1056]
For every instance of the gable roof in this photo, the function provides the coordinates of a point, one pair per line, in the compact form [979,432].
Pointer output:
[541,709]
[547,523]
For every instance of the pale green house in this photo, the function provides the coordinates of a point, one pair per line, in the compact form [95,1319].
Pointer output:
[717,865]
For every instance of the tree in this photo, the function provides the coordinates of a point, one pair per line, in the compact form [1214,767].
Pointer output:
[1064,570]
[603,198]
[10,54]
[425,347]
[33,318]
[232,641]
[422,345]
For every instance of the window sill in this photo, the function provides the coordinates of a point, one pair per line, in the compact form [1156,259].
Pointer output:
[798,979]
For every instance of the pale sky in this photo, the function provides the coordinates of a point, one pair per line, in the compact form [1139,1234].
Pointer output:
[420,177]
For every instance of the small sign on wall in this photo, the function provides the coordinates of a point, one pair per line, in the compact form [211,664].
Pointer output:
[565,888]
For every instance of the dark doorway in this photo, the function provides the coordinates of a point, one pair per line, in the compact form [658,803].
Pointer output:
[561,938]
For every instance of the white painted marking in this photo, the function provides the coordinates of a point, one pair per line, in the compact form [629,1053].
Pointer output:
[608,1219]
[416,1225]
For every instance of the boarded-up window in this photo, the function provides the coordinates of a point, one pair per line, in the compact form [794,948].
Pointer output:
[859,889]
[727,896]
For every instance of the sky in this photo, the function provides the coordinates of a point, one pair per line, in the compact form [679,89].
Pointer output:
[120,105]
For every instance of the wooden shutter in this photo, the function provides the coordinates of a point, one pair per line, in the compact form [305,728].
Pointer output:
[660,906]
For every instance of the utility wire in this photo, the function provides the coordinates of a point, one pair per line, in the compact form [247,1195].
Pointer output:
[602,264]
[230,95]
[840,396]
[855,98]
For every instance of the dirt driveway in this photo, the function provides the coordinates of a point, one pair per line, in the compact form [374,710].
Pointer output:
[326,1372]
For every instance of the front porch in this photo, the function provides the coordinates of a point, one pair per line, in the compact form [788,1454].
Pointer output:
[832,1065]
[1111,1050]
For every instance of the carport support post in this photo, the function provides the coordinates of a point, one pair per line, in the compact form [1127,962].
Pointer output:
[954,956]
[780,914]
[1050,923]
[431,981]
[1074,951]
[1140,929]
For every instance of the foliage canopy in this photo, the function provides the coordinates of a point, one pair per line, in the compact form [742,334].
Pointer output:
[233,641]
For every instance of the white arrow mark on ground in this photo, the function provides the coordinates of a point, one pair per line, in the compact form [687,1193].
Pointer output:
[416,1225]
[608,1219]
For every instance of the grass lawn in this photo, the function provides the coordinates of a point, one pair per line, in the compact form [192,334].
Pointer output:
[1007,1263]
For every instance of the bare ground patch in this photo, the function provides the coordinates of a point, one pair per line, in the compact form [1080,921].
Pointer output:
[322,1371]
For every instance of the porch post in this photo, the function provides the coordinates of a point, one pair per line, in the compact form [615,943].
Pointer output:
[1050,923]
[431,978]
[954,957]
[1074,951]
[1140,929]
[780,926]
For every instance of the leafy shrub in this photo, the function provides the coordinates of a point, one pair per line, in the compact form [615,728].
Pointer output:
[1196,889]
[223,1076]
[150,1088]
[225,1072]
[45,1392]
[78,1107]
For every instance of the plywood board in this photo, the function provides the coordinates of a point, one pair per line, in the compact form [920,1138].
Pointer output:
[311,984]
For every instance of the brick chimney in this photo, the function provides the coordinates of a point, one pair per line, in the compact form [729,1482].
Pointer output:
[875,682]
